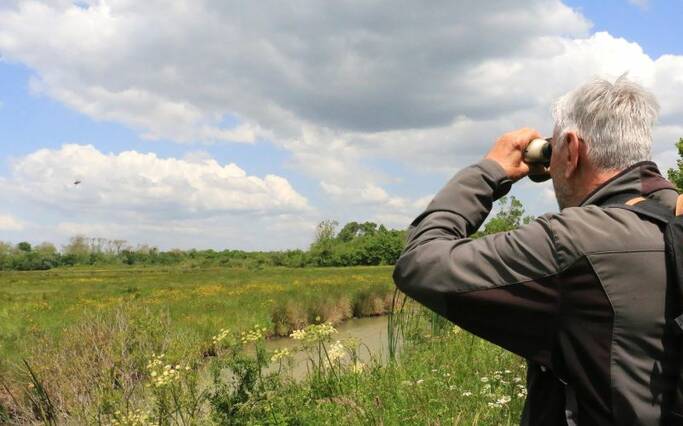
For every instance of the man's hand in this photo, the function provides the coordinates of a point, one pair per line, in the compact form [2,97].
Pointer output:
[508,152]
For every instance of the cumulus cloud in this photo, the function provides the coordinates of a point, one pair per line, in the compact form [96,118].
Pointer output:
[348,64]
[10,223]
[274,232]
[331,82]
[80,178]
[193,202]
[429,86]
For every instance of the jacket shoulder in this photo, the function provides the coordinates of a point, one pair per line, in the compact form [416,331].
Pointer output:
[580,231]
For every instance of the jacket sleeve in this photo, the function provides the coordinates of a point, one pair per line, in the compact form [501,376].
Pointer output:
[501,287]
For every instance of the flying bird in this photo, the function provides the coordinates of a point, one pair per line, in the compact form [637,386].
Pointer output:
[78,182]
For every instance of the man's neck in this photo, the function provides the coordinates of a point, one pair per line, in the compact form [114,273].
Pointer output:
[591,182]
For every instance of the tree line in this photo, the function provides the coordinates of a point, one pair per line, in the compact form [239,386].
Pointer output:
[355,243]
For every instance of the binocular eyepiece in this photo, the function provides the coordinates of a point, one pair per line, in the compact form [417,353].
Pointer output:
[537,156]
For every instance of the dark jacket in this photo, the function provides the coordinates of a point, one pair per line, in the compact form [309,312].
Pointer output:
[581,294]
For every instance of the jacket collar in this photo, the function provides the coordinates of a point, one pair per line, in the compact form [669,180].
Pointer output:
[641,179]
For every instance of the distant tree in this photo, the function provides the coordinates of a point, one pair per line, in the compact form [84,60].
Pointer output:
[5,248]
[6,254]
[325,230]
[368,228]
[322,249]
[509,217]
[676,176]
[117,246]
[78,246]
[24,246]
[77,251]
[349,232]
[45,249]
[98,244]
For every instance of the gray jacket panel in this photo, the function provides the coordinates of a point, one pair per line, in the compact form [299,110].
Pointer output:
[581,293]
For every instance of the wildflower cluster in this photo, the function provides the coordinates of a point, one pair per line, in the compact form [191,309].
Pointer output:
[222,335]
[254,335]
[133,418]
[280,354]
[501,387]
[162,375]
[351,343]
[336,352]
[357,367]
[500,402]
[521,390]
[314,333]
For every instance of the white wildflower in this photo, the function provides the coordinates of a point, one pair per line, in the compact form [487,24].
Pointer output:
[314,333]
[222,334]
[280,354]
[255,334]
[298,335]
[503,400]
[357,367]
[336,351]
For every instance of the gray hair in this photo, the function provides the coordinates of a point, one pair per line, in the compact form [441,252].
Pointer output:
[614,119]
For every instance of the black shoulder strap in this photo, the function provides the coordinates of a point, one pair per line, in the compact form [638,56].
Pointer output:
[672,227]
[642,206]
[650,209]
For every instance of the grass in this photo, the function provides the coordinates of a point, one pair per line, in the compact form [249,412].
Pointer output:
[439,379]
[93,342]
[37,305]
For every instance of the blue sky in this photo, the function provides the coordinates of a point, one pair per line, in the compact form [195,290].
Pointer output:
[297,111]
[655,25]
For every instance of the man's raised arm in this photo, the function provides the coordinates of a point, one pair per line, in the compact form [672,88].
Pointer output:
[501,287]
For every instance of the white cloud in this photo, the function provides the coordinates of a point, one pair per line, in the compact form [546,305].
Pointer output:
[333,83]
[145,185]
[366,194]
[337,84]
[343,66]
[143,198]
[10,223]
[324,63]
[285,231]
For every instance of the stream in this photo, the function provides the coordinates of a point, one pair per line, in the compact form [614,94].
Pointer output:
[371,333]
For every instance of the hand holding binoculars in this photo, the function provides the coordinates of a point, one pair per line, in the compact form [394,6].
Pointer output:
[537,156]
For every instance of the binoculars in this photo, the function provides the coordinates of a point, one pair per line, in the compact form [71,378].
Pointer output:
[537,156]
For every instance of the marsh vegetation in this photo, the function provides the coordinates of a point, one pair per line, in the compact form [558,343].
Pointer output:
[174,346]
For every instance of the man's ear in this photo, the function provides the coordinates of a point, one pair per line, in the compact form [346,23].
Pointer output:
[573,151]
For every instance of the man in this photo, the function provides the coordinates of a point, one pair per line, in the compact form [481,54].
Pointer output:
[580,294]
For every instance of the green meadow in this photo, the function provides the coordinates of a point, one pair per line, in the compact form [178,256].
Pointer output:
[188,346]
[198,301]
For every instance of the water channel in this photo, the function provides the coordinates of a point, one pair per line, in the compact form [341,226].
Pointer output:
[370,332]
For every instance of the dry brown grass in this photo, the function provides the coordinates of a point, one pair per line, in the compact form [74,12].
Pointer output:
[98,367]
[288,317]
[294,315]
[371,304]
